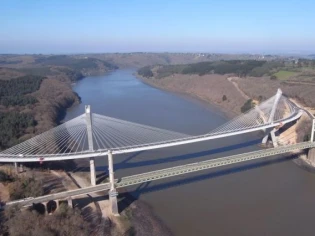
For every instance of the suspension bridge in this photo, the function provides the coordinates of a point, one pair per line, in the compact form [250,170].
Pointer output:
[92,135]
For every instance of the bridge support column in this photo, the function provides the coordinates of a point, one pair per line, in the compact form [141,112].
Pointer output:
[265,139]
[57,205]
[112,192]
[92,170]
[274,139]
[273,136]
[16,167]
[21,170]
[88,117]
[70,203]
[46,208]
[313,130]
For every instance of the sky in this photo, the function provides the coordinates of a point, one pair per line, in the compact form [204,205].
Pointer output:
[98,26]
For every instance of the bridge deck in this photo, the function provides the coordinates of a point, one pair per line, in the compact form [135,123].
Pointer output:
[169,172]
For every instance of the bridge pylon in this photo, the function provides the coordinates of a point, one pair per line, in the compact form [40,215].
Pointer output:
[112,192]
[272,133]
[88,117]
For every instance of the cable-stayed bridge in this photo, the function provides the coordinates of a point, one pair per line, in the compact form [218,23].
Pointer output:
[168,172]
[92,135]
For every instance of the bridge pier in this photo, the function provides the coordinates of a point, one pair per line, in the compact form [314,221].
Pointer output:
[70,203]
[92,170]
[273,136]
[16,167]
[112,192]
[21,170]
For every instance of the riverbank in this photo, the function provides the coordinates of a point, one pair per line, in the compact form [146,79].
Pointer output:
[208,88]
[229,94]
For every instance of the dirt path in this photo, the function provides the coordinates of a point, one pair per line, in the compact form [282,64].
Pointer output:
[230,79]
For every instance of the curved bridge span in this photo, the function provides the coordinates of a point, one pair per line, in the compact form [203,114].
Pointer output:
[92,135]
[168,172]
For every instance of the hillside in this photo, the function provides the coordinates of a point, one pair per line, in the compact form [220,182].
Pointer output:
[140,59]
[237,80]
[35,91]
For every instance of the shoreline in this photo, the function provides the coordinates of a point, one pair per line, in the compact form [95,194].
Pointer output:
[216,108]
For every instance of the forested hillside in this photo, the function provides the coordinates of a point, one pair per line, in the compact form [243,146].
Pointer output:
[12,92]
[240,68]
[83,65]
[35,91]
[13,125]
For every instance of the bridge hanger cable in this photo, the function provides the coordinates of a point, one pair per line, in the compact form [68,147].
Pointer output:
[71,137]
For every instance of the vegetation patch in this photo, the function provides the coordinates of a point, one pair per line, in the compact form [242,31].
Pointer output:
[20,86]
[4,177]
[13,125]
[29,222]
[249,104]
[74,63]
[24,187]
[284,74]
[145,72]
[12,91]
[17,100]
[240,68]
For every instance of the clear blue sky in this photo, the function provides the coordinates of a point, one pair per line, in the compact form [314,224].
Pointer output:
[75,26]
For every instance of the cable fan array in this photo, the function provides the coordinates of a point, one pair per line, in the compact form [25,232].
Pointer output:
[71,137]
[108,133]
[259,116]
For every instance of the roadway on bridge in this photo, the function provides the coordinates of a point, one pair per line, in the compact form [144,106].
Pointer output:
[170,172]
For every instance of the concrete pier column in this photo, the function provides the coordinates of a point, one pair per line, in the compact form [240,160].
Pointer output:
[274,138]
[88,117]
[92,171]
[70,203]
[57,204]
[112,192]
[16,167]
[46,208]
[265,139]
[21,169]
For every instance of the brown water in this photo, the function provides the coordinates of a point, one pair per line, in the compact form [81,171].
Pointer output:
[266,197]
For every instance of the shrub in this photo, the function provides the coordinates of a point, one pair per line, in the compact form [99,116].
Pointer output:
[4,177]
[224,98]
[30,222]
[25,187]
[145,72]
[247,106]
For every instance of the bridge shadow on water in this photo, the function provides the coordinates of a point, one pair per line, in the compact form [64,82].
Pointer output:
[126,198]
[126,164]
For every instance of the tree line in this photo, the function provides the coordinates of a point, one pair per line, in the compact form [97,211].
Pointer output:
[241,68]
[78,64]
[13,125]
[12,91]
[145,72]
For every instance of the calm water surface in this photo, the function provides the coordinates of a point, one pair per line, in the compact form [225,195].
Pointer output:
[269,197]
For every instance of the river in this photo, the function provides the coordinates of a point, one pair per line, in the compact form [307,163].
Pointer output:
[266,197]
